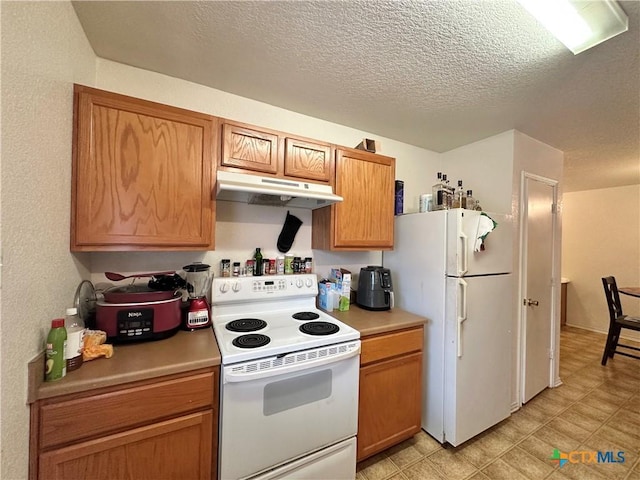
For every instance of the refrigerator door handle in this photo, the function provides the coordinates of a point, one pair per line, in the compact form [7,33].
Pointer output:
[462,316]
[463,245]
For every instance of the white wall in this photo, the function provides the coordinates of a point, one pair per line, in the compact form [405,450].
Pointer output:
[44,51]
[492,168]
[535,157]
[601,237]
[486,167]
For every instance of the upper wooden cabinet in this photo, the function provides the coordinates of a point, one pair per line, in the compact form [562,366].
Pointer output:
[143,175]
[248,148]
[365,219]
[268,152]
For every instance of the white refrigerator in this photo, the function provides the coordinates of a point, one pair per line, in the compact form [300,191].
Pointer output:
[466,295]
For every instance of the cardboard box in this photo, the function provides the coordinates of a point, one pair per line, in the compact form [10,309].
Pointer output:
[341,278]
[325,296]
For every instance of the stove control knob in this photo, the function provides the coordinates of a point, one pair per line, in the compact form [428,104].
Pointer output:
[224,287]
[299,283]
[309,282]
[236,287]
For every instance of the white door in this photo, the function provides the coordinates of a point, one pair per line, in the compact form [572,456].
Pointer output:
[537,302]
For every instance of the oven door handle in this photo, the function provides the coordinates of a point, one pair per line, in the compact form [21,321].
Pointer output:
[229,376]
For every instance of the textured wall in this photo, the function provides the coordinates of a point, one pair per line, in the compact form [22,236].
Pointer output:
[601,237]
[44,51]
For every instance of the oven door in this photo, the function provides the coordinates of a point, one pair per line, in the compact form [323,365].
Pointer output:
[280,409]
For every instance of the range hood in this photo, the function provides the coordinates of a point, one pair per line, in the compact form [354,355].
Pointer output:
[253,189]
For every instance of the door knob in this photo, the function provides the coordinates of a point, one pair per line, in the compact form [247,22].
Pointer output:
[530,303]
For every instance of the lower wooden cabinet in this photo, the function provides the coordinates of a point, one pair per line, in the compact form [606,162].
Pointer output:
[160,429]
[177,449]
[390,390]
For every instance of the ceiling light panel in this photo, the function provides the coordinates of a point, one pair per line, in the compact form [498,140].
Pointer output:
[579,25]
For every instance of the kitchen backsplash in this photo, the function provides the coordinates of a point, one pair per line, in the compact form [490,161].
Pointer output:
[240,228]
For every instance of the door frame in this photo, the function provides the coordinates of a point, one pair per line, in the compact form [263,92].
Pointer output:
[555,283]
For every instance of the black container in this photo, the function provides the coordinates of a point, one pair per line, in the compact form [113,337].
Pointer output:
[399,201]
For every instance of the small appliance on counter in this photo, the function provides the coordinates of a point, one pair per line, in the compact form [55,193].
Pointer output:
[375,289]
[138,312]
[199,278]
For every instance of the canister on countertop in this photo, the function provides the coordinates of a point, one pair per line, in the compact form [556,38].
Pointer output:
[308,265]
[288,264]
[236,269]
[249,265]
[272,266]
[280,265]
[225,267]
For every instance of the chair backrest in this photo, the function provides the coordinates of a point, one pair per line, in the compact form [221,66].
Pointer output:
[613,297]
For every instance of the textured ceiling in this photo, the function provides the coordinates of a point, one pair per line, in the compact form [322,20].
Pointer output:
[433,73]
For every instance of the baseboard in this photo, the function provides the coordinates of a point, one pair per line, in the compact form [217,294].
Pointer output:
[595,330]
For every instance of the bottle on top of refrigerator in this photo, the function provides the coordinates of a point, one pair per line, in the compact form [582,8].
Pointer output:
[469,201]
[449,191]
[439,194]
[75,339]
[458,197]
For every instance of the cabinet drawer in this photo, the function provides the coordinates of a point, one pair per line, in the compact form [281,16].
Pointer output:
[81,418]
[390,345]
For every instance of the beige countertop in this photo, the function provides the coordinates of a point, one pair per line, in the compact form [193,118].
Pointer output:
[183,352]
[369,322]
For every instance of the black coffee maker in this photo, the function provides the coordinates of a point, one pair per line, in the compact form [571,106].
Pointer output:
[375,289]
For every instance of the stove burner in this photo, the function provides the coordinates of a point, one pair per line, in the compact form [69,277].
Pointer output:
[305,316]
[252,340]
[246,325]
[319,328]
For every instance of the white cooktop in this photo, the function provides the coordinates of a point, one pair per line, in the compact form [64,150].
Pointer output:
[273,299]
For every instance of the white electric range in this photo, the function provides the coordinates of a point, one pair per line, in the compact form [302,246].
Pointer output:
[288,383]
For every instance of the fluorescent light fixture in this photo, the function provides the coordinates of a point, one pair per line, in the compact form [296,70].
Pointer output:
[579,24]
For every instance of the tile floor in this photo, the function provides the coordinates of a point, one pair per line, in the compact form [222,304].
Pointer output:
[596,409]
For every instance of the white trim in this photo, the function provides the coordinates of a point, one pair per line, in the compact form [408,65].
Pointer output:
[555,282]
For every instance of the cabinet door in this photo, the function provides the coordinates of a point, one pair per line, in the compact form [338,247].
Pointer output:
[249,148]
[389,404]
[142,175]
[364,219]
[308,160]
[176,449]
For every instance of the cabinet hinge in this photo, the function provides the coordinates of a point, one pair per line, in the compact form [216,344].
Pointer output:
[554,208]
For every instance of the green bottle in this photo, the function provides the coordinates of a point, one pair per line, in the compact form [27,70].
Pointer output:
[257,268]
[55,364]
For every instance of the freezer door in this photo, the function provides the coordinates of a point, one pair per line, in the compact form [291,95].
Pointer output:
[477,355]
[463,229]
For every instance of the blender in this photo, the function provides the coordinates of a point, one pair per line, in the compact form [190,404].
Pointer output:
[199,280]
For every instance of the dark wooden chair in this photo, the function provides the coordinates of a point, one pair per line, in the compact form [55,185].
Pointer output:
[617,321]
